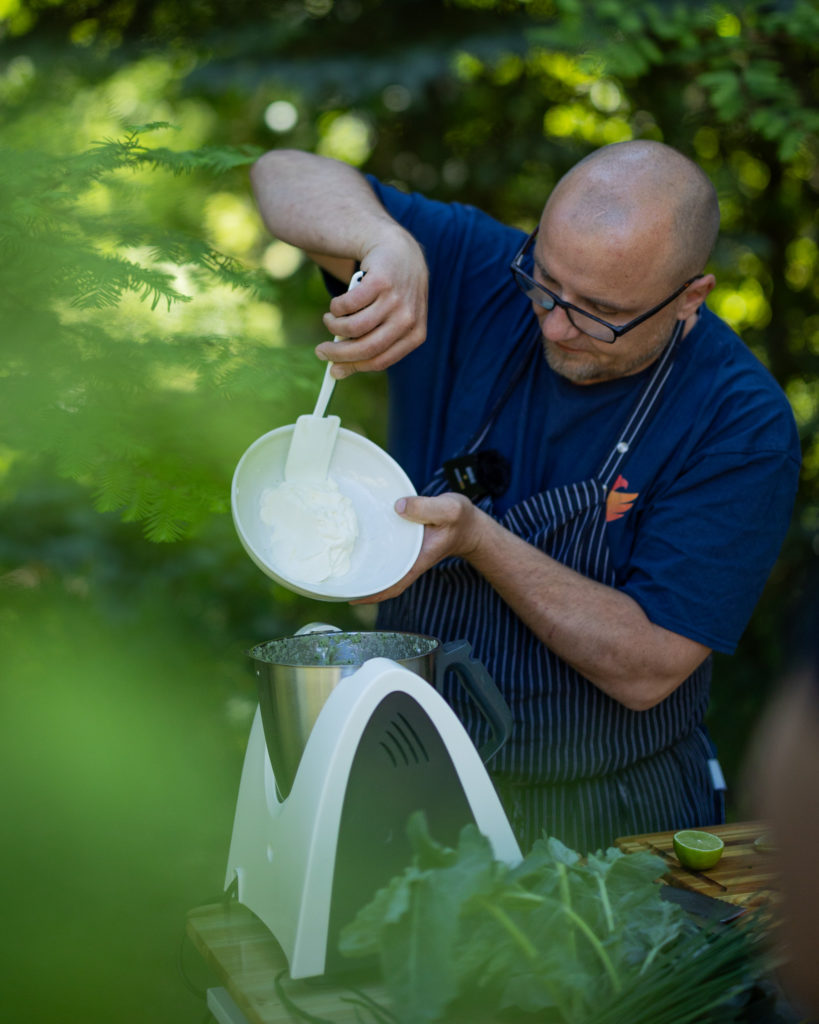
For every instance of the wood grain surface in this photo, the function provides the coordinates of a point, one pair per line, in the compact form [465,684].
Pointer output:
[248,960]
[744,875]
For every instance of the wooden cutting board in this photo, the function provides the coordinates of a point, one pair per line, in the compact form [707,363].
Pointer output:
[248,961]
[745,875]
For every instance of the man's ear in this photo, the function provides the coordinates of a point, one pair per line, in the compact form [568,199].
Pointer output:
[694,295]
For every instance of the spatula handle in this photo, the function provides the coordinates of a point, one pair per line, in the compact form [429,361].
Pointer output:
[329,381]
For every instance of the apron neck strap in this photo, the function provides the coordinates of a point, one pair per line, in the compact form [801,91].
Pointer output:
[643,410]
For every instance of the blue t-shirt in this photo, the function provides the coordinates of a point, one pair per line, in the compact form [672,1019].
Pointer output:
[707,492]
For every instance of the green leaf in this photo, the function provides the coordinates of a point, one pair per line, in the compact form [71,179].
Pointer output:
[469,938]
[414,923]
[361,937]
[429,854]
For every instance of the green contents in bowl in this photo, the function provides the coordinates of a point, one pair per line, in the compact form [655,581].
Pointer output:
[697,850]
[339,648]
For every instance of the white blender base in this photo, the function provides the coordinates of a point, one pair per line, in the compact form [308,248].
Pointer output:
[410,745]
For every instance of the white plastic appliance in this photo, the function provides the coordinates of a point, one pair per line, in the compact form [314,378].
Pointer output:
[384,744]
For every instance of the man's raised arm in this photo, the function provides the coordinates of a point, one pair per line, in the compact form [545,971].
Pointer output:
[329,210]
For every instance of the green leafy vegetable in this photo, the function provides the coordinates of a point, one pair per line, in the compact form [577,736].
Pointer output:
[461,936]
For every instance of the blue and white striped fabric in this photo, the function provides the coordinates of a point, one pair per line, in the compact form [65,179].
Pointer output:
[579,765]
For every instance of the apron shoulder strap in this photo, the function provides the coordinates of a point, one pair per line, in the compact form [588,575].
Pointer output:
[528,360]
[641,414]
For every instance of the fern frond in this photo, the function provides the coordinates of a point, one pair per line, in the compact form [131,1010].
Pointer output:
[116,397]
[113,490]
[102,280]
[162,527]
[216,159]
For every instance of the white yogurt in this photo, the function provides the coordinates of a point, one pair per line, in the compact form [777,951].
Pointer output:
[314,529]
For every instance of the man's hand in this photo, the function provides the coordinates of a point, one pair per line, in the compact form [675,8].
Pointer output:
[385,316]
[451,525]
[329,210]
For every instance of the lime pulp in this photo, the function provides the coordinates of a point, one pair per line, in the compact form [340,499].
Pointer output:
[697,850]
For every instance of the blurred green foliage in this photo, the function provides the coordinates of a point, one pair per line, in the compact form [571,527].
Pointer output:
[151,331]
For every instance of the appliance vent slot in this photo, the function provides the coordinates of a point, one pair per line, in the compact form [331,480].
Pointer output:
[402,744]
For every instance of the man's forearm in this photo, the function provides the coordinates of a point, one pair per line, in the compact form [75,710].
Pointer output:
[600,631]
[323,206]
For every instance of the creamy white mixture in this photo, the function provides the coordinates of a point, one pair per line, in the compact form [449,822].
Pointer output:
[314,529]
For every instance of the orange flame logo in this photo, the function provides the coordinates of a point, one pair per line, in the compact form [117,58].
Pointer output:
[619,501]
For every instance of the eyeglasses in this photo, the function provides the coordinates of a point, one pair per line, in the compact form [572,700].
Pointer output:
[588,323]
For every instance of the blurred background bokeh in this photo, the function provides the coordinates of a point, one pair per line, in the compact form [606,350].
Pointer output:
[150,330]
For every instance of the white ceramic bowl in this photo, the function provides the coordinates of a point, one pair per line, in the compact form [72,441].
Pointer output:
[387,545]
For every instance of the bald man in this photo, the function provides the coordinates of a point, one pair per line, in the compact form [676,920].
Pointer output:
[596,521]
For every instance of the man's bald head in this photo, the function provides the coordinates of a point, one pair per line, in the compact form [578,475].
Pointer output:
[649,189]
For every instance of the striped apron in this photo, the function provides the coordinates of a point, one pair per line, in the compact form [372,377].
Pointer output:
[579,765]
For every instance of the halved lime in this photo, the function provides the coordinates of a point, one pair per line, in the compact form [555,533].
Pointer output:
[697,850]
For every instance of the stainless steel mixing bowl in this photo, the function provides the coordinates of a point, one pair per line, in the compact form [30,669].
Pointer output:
[296,675]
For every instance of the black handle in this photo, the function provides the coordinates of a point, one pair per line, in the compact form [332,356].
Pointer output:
[474,677]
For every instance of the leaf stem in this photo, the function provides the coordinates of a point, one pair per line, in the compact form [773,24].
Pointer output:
[604,898]
[509,925]
[597,945]
[566,897]
[521,896]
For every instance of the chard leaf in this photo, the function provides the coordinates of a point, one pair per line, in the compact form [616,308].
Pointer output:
[657,931]
[416,952]
[428,853]
[537,870]
[564,940]
[413,924]
[388,906]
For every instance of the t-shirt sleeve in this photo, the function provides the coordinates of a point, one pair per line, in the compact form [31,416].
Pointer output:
[705,549]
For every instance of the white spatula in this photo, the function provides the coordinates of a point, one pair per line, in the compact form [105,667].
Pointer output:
[314,436]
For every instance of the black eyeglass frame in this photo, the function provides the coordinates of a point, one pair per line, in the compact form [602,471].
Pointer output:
[525,282]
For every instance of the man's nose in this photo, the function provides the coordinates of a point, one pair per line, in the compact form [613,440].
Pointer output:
[556,325]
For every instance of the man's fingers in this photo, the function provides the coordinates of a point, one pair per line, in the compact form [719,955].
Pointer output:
[402,316]
[393,591]
[356,325]
[417,510]
[357,298]
[436,511]
[371,353]
[338,371]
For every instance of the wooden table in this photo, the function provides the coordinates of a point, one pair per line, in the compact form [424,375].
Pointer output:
[246,958]
[744,876]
